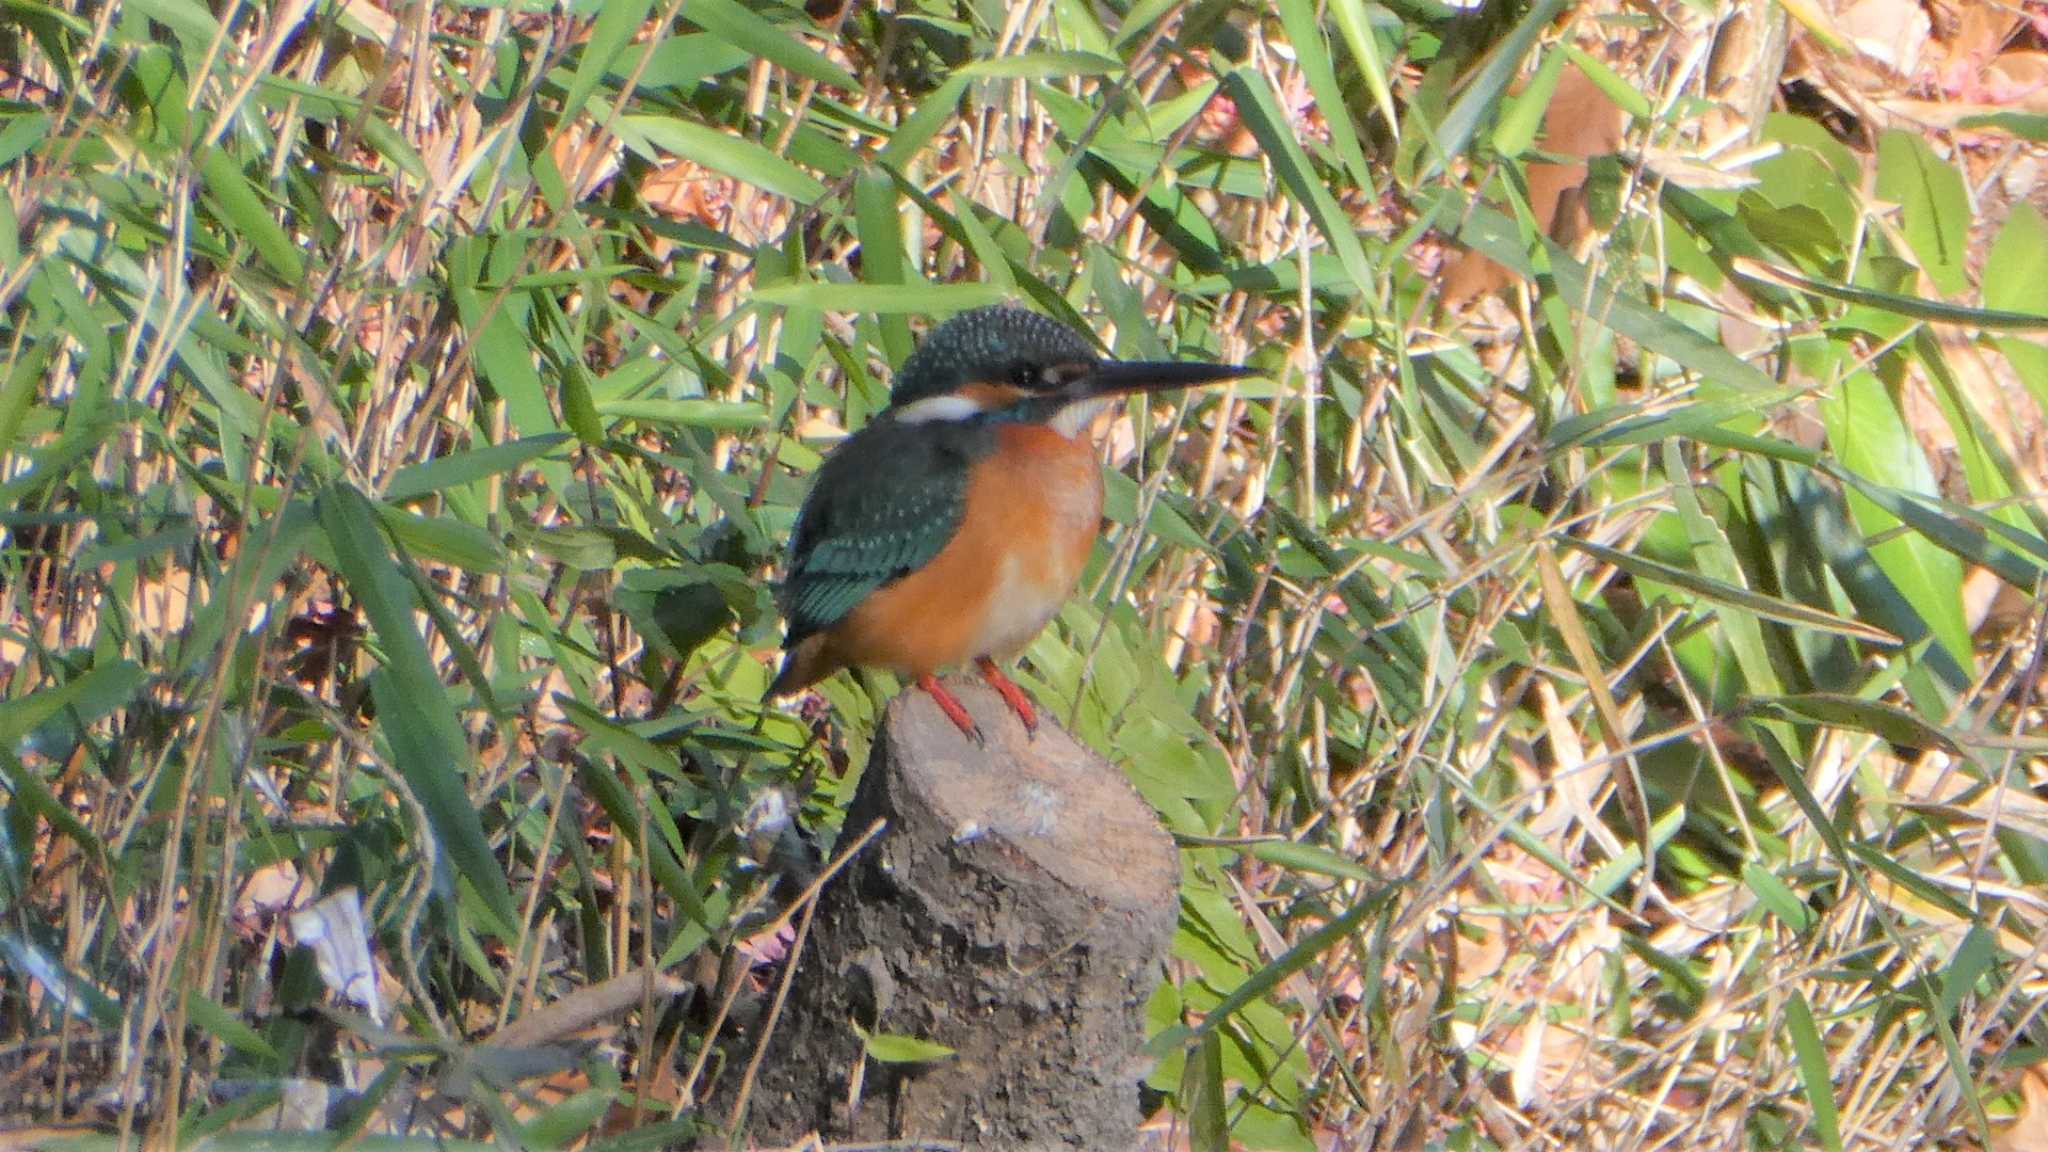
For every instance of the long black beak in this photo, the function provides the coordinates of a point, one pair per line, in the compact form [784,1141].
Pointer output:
[1116,377]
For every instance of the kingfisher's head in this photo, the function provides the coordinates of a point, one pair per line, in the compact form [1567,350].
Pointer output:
[1005,359]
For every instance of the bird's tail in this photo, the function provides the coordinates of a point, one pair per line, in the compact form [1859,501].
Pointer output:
[803,665]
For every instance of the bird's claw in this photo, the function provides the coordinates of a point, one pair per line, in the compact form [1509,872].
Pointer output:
[951,706]
[1015,697]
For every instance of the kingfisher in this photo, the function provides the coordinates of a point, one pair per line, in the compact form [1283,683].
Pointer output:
[952,527]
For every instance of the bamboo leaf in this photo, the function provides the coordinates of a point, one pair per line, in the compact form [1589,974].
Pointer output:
[1487,88]
[1814,1065]
[1885,721]
[610,33]
[417,480]
[243,211]
[881,299]
[1041,66]
[890,1048]
[413,707]
[1261,112]
[1719,591]
[1918,308]
[1203,1096]
[748,30]
[736,156]
[1934,207]
[1312,52]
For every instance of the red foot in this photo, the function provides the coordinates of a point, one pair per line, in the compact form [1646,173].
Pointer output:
[951,706]
[1011,694]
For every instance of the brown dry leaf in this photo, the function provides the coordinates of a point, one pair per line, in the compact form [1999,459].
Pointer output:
[1680,168]
[377,22]
[544,1050]
[1893,33]
[1994,608]
[1581,121]
[683,191]
[1548,1060]
[1743,70]
[268,891]
[1296,985]
[2016,80]
[1968,34]
[1499,948]
[2029,1129]
[1573,787]
[1881,46]
[1119,439]
[2011,417]
[1975,29]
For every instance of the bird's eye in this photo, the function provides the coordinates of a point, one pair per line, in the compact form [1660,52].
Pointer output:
[1025,375]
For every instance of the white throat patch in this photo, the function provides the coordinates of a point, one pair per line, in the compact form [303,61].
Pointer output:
[947,406]
[1074,419]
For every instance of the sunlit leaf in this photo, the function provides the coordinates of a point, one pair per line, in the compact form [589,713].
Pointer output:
[720,151]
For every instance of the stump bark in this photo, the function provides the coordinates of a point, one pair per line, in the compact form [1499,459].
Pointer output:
[1017,909]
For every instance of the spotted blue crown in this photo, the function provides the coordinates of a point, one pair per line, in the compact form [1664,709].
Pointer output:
[999,344]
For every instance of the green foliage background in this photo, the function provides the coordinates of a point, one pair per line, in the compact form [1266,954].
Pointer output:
[402,412]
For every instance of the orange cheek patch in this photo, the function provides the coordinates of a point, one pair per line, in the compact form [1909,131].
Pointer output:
[990,397]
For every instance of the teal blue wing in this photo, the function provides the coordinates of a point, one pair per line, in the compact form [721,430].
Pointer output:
[882,506]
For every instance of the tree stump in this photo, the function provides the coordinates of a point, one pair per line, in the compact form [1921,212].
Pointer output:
[1017,910]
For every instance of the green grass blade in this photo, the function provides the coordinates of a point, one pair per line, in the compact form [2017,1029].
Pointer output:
[1487,88]
[418,480]
[1261,112]
[881,299]
[1812,1057]
[747,30]
[720,151]
[413,707]
[243,211]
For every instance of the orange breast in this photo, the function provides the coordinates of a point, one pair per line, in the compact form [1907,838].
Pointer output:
[1034,509]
